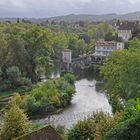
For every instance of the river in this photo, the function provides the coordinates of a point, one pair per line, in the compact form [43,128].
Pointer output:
[87,99]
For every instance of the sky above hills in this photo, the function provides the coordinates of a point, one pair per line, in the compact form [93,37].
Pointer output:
[48,8]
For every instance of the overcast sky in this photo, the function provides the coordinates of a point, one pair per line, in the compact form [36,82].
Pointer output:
[47,8]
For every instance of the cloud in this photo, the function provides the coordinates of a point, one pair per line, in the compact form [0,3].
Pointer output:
[45,8]
[13,3]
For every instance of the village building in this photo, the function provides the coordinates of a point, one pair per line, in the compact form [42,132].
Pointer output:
[66,59]
[125,29]
[104,48]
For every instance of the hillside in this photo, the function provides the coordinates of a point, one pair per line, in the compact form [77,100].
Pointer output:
[82,17]
[105,17]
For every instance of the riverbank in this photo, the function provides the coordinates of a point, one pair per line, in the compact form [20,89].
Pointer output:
[86,101]
[47,115]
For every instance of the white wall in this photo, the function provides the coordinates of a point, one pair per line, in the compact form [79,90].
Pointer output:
[125,34]
[67,56]
[104,50]
[120,45]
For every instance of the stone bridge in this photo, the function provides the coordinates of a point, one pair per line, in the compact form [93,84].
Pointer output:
[82,62]
[86,61]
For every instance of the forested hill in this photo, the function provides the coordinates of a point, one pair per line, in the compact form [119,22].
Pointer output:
[105,17]
[75,18]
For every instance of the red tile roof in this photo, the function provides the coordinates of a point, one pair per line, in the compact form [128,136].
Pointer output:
[105,43]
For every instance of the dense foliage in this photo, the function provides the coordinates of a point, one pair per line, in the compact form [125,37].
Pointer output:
[15,122]
[15,80]
[124,125]
[80,36]
[128,128]
[121,69]
[50,96]
[25,51]
[28,51]
[94,127]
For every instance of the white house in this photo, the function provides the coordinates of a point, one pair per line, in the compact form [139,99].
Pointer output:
[125,28]
[103,48]
[120,45]
[125,34]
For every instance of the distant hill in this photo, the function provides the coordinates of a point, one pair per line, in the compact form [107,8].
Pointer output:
[82,17]
[105,17]
[75,18]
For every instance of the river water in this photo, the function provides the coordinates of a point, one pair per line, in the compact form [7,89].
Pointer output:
[87,99]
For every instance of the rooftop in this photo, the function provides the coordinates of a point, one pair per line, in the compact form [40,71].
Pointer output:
[46,133]
[105,43]
[126,25]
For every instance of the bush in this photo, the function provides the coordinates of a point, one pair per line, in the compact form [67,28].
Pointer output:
[5,85]
[126,130]
[49,96]
[23,81]
[15,122]
[116,103]
[29,105]
[94,127]
[13,73]
[129,126]
[15,81]
[70,78]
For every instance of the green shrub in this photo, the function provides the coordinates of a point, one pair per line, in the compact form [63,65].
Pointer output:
[15,81]
[49,96]
[115,103]
[94,127]
[70,78]
[5,85]
[126,130]
[13,73]
[131,108]
[15,122]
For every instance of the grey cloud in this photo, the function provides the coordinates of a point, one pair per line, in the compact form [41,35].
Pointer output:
[45,8]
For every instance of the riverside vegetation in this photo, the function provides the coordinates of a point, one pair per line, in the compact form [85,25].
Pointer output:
[28,51]
[50,96]
[122,75]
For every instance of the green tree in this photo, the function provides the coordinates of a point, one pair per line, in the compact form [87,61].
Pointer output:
[38,48]
[99,31]
[70,78]
[126,130]
[94,127]
[134,43]
[4,54]
[77,45]
[60,43]
[121,69]
[15,122]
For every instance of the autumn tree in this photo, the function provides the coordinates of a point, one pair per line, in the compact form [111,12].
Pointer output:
[15,122]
